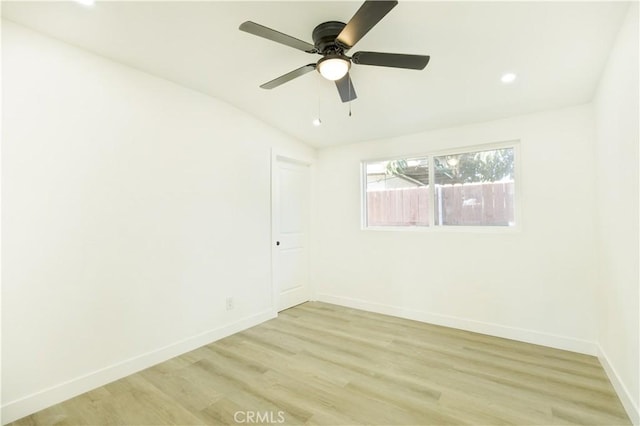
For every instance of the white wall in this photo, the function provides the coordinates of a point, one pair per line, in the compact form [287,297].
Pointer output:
[616,108]
[132,208]
[535,284]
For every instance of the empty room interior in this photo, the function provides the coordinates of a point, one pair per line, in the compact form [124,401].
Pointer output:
[323,213]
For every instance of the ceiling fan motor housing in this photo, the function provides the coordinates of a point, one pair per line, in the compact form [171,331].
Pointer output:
[324,37]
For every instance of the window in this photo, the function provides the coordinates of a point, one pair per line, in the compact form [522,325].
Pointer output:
[475,187]
[398,192]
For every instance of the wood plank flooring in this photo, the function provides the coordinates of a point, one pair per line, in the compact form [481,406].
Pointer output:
[329,365]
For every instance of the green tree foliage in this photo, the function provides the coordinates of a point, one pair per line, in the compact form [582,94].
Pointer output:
[397,167]
[481,166]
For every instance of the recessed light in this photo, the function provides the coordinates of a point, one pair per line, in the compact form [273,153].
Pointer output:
[85,2]
[316,122]
[508,78]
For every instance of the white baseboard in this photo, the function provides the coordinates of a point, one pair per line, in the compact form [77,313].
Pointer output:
[633,411]
[498,330]
[14,410]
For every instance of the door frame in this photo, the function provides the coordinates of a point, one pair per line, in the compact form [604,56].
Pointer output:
[275,217]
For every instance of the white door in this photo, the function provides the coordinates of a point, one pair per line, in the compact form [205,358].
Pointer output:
[290,209]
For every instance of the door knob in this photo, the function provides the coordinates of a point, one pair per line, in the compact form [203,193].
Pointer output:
[277,243]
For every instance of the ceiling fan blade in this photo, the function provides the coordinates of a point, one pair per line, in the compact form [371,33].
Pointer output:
[395,60]
[345,88]
[288,76]
[369,14]
[277,36]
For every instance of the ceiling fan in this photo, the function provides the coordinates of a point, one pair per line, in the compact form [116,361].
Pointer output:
[332,40]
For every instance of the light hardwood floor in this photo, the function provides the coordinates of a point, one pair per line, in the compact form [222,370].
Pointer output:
[324,364]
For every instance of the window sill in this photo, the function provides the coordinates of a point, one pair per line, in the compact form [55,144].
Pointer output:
[446,228]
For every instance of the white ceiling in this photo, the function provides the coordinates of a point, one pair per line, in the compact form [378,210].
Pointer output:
[558,50]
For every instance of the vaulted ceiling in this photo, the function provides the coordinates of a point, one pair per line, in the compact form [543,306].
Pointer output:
[557,49]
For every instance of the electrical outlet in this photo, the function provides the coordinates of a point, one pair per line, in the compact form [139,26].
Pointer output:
[229,303]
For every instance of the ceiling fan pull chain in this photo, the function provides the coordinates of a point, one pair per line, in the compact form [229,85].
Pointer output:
[349,77]
[318,121]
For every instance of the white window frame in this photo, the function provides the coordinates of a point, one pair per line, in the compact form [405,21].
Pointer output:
[514,144]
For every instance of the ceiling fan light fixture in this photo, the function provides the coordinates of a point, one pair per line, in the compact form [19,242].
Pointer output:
[334,67]
[508,78]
